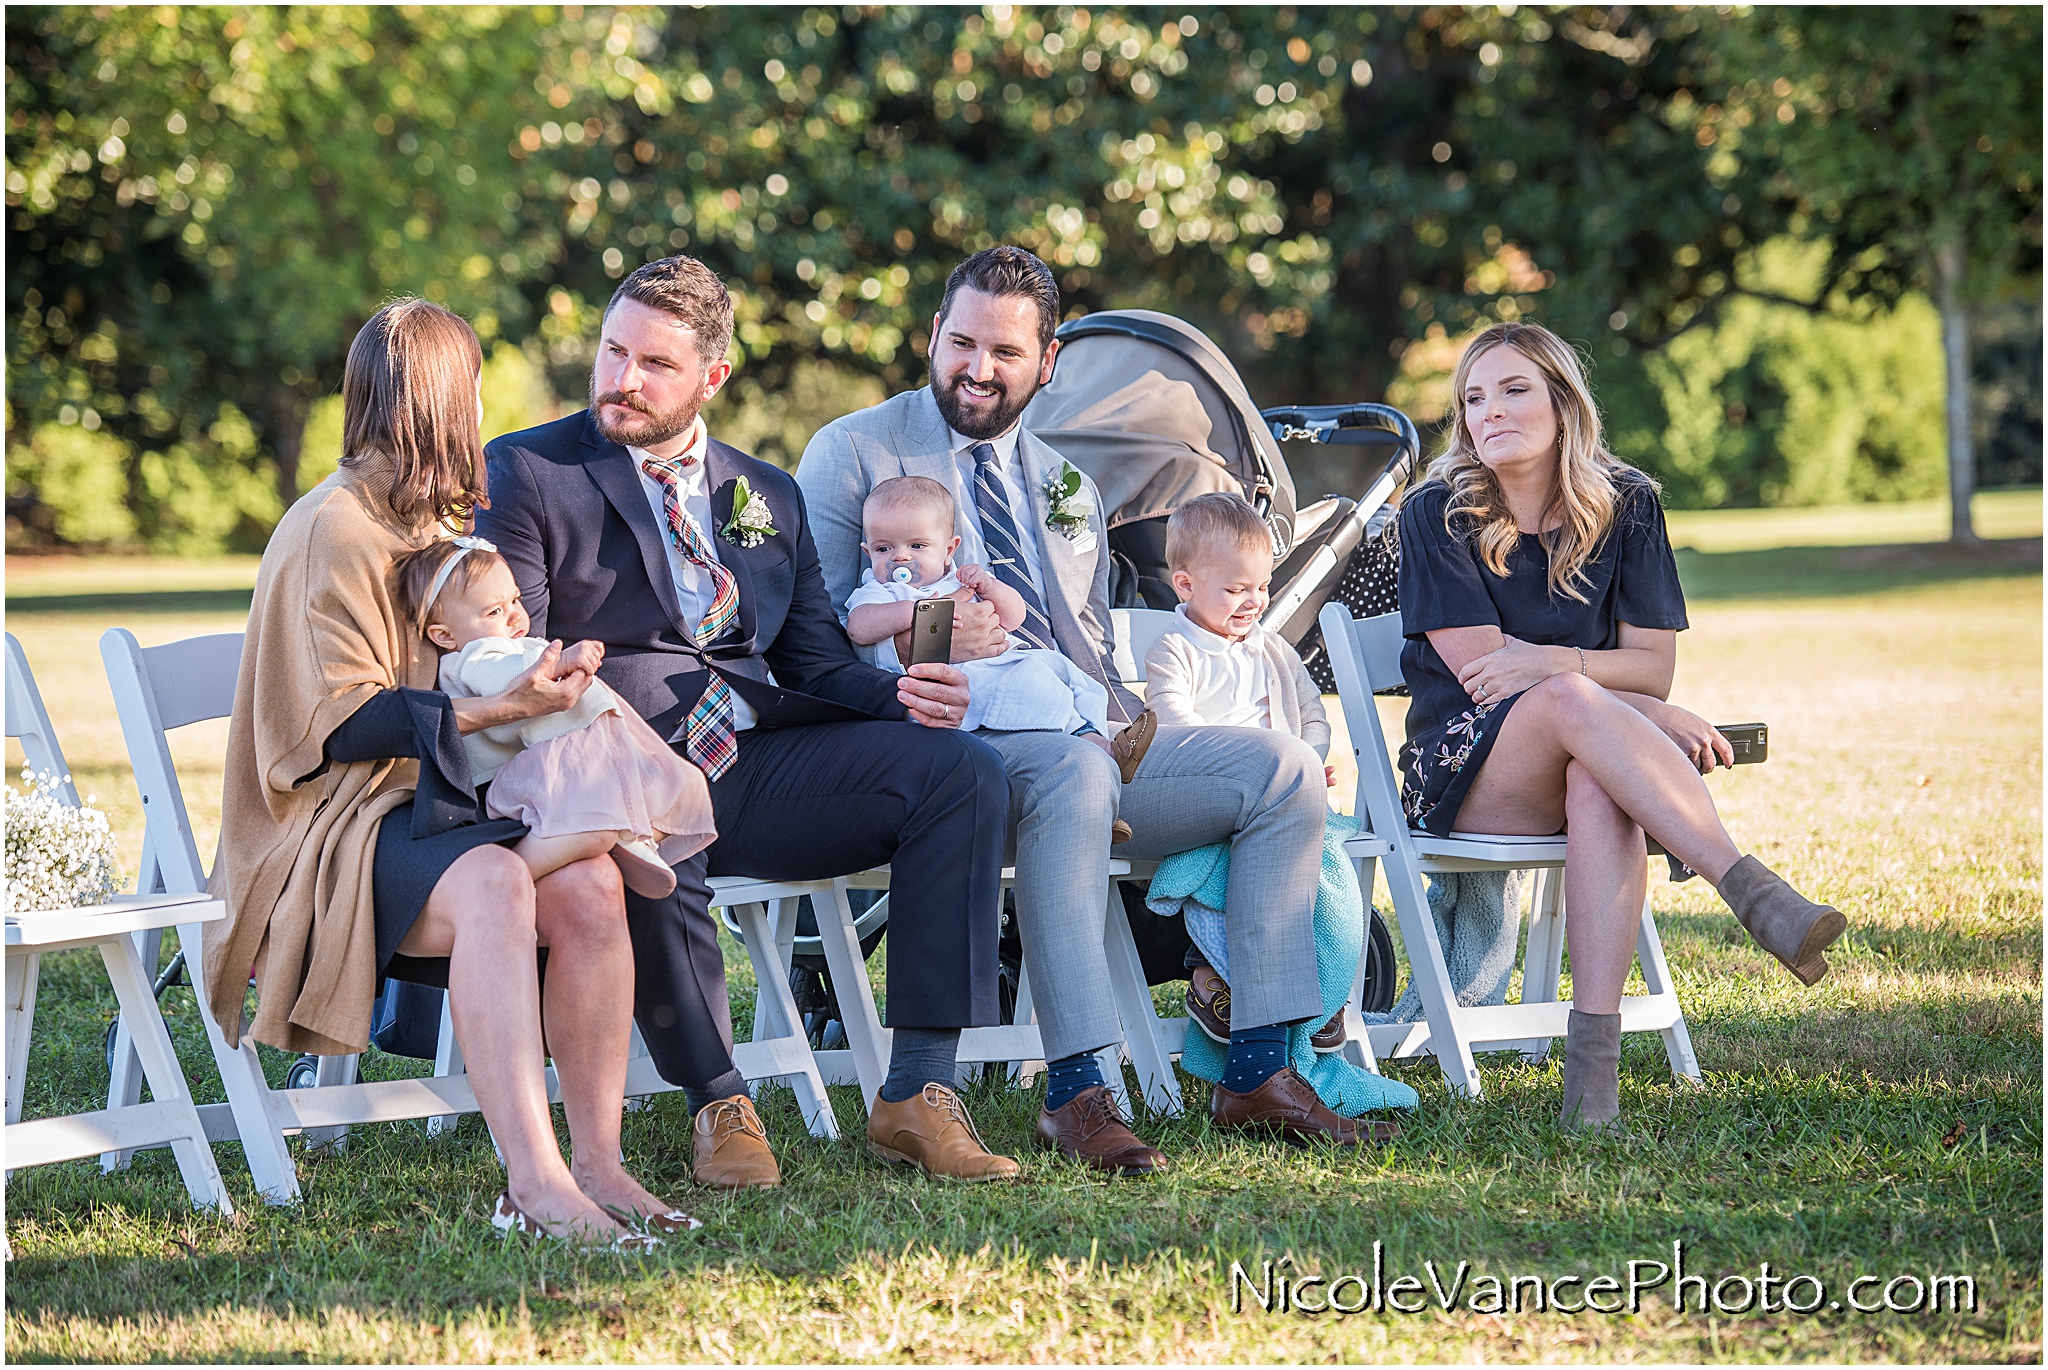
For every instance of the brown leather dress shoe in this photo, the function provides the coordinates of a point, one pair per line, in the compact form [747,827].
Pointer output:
[931,1130]
[1330,1036]
[729,1147]
[1286,1106]
[1209,1003]
[1090,1129]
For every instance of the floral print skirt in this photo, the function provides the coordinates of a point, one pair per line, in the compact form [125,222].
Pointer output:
[1438,765]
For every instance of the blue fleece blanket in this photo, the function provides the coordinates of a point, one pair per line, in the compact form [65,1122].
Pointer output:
[1193,885]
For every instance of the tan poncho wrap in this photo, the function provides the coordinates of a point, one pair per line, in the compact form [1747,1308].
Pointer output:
[297,840]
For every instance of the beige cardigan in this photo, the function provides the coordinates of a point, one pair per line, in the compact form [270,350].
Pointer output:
[298,836]
[1175,664]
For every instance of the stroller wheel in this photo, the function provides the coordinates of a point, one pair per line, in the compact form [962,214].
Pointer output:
[113,1032]
[304,1073]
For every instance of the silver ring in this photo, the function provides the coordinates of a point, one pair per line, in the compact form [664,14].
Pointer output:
[943,712]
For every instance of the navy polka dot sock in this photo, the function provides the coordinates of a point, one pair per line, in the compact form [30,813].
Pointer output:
[1256,1055]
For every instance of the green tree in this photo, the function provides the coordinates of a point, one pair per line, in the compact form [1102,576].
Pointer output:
[206,204]
[1909,139]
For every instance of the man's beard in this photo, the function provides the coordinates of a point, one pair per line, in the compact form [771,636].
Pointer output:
[990,424]
[657,428]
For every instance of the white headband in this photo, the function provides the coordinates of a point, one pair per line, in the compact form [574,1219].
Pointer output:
[464,546]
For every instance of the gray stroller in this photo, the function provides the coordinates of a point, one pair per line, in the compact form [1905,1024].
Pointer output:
[1155,414]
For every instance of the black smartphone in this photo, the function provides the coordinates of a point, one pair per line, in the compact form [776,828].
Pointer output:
[931,632]
[1751,741]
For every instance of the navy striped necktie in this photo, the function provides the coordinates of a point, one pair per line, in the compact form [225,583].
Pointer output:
[1005,546]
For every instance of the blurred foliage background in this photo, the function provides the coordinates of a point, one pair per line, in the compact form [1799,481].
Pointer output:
[1771,231]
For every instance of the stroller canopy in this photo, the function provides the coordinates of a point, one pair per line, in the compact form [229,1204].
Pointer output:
[1155,414]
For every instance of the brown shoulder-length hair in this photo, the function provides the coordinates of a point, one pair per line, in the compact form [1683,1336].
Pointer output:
[1584,497]
[409,391]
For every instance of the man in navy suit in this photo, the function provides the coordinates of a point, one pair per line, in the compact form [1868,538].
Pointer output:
[625,524]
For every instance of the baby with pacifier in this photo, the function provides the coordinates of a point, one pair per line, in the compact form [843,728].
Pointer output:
[907,524]
[590,780]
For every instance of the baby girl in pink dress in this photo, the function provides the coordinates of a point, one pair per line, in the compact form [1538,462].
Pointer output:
[589,780]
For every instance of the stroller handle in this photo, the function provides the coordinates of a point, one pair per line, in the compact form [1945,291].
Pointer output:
[1294,607]
[1344,425]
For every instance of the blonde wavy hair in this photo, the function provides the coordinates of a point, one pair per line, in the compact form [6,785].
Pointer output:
[1584,497]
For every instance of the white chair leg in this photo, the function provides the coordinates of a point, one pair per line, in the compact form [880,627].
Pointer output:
[1447,1040]
[23,970]
[1543,958]
[865,1036]
[167,1087]
[1024,1072]
[1357,1047]
[1657,978]
[775,1014]
[332,1070]
[124,1083]
[1110,1061]
[258,1123]
[1134,1006]
[447,1061]
[771,1019]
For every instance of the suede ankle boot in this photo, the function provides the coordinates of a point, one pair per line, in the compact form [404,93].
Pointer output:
[1783,921]
[1592,1072]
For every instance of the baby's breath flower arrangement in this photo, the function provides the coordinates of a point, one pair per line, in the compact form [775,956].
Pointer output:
[58,857]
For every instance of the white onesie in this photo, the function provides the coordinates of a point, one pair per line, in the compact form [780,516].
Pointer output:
[486,667]
[1022,689]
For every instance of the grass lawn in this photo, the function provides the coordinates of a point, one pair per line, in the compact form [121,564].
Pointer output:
[1886,1123]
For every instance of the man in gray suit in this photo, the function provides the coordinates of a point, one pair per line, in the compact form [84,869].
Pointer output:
[1261,790]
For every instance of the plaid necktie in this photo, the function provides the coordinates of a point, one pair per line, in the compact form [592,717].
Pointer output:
[1005,547]
[708,739]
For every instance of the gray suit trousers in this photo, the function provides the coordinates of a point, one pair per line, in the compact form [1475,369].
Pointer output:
[1259,790]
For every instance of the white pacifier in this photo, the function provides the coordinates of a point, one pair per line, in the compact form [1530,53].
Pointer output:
[903,575]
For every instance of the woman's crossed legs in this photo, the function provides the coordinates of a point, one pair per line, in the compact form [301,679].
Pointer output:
[486,915]
[1571,755]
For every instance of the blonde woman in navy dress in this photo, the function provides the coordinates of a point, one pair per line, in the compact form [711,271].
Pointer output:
[1542,607]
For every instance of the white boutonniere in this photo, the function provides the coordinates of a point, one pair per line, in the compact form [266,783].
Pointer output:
[752,523]
[1067,511]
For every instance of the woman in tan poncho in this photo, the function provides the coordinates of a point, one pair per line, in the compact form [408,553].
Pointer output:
[353,845]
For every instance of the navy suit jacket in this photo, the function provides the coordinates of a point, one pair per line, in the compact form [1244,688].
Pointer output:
[569,514]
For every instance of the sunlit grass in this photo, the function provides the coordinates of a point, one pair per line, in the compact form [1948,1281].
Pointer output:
[1994,513]
[1886,1122]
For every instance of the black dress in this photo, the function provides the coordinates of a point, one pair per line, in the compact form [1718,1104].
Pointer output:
[1632,578]
[419,840]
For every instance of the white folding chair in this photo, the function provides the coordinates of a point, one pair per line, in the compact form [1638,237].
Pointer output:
[170,1117]
[156,690]
[865,1059]
[781,1048]
[29,722]
[1150,1042]
[1365,656]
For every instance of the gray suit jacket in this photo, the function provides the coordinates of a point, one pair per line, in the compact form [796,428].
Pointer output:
[907,436]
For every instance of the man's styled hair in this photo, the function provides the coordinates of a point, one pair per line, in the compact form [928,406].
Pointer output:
[1009,270]
[412,576]
[689,291]
[409,391]
[911,492]
[1209,524]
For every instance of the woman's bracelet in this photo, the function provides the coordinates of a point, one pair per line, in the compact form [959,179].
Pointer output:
[1582,660]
